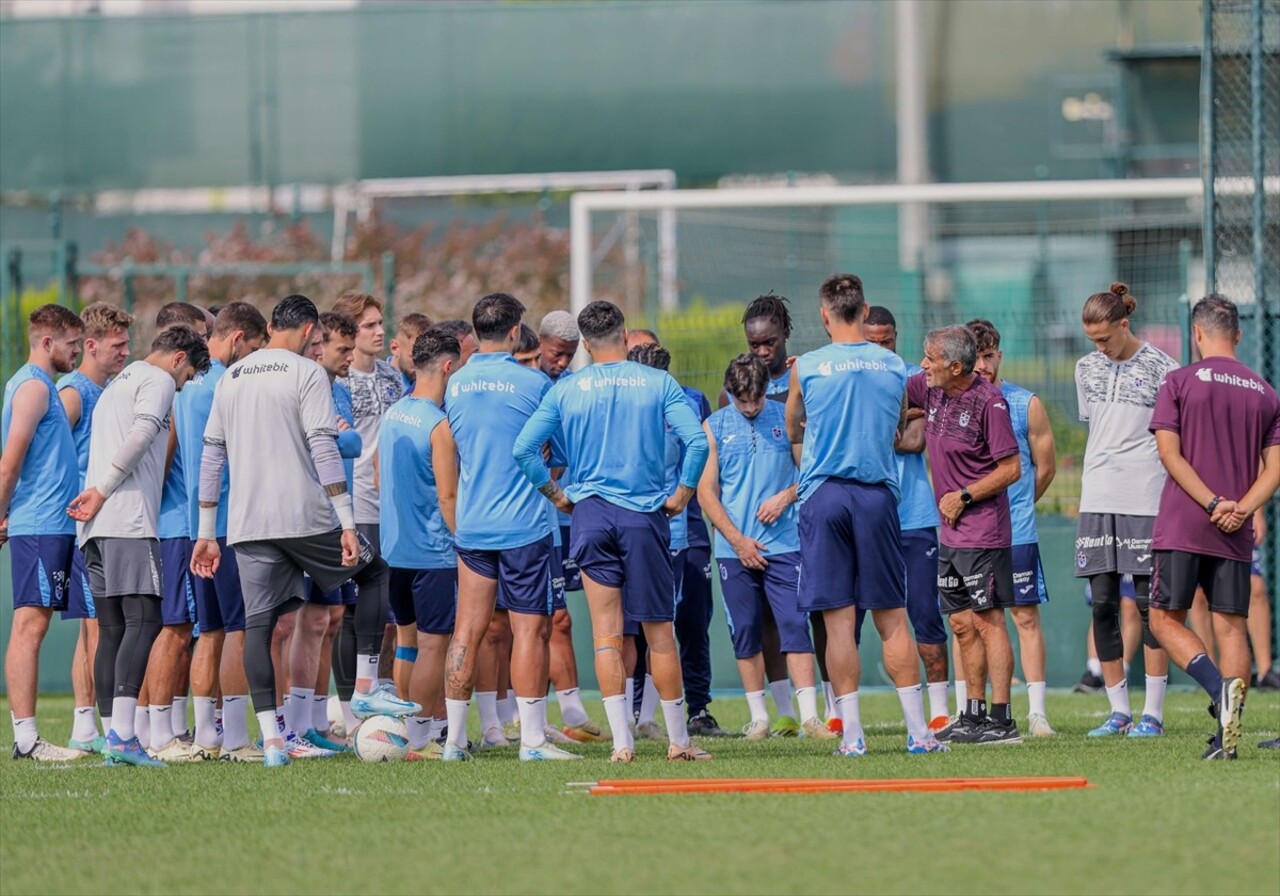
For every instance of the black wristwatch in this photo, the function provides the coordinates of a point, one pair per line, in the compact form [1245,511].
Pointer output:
[965,498]
[1213,505]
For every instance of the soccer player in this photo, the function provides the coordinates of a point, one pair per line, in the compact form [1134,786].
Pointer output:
[289,510]
[106,352]
[117,515]
[1116,387]
[843,413]
[973,454]
[410,327]
[1217,427]
[612,417]
[1267,679]
[528,350]
[1036,456]
[558,339]
[418,457]
[38,479]
[217,662]
[503,536]
[918,517]
[466,336]
[749,490]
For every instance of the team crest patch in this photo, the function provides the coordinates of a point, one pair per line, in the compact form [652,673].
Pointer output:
[1081,560]
[777,432]
[964,418]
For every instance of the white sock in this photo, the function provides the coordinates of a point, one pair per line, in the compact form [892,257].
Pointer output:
[206,709]
[487,702]
[829,700]
[851,717]
[543,724]
[24,732]
[217,720]
[141,724]
[84,723]
[457,714]
[571,708]
[269,727]
[617,710]
[281,725]
[507,711]
[962,696]
[912,700]
[532,731]
[235,721]
[938,695]
[366,672]
[673,713]
[161,725]
[106,725]
[755,703]
[298,711]
[648,701]
[1154,704]
[436,729]
[1094,665]
[419,731]
[124,717]
[1035,694]
[349,720]
[631,701]
[781,691]
[807,698]
[320,712]
[1119,697]
[178,717]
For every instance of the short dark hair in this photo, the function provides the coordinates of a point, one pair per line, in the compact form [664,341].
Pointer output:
[842,295]
[179,313]
[293,312]
[880,316]
[240,316]
[746,377]
[436,342]
[650,354]
[641,331]
[495,315]
[601,322]
[985,334]
[413,324]
[54,318]
[458,327]
[1215,313]
[770,307]
[528,340]
[183,338]
[336,321]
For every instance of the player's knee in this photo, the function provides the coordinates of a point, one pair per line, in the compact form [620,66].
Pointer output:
[1027,618]
[562,623]
[962,624]
[607,643]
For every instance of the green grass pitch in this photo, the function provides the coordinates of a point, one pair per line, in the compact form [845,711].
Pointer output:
[1159,820]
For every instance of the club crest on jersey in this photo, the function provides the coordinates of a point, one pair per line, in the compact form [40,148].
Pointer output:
[964,419]
[777,432]
[1082,560]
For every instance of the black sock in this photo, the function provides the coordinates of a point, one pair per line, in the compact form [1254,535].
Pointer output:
[1000,712]
[977,709]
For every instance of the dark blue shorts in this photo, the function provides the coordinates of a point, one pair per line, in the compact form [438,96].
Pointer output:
[572,575]
[851,548]
[523,575]
[427,598]
[745,593]
[40,569]
[920,550]
[219,601]
[627,549]
[177,591]
[79,595]
[558,602]
[1029,587]
[343,595]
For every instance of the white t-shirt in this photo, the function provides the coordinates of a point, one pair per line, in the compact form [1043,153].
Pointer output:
[264,408]
[372,395]
[131,511]
[1122,469]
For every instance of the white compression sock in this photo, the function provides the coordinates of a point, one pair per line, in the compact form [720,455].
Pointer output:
[630,694]
[1035,694]
[507,710]
[298,712]
[320,712]
[179,716]
[366,672]
[25,733]
[124,716]
[1119,697]
[437,728]
[781,691]
[161,725]
[962,696]
[1154,704]
[755,703]
[84,723]
[268,726]
[673,712]
[571,708]
[206,709]
[807,699]
[912,700]
[532,731]
[419,731]
[617,710]
[648,701]
[141,724]
[235,721]
[349,720]
[457,714]
[938,695]
[851,717]
[829,698]
[487,702]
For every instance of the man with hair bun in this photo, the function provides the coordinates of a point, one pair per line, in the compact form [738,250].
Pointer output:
[1116,387]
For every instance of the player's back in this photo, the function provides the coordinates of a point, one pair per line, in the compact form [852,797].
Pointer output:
[50,478]
[191,409]
[1022,494]
[89,393]
[414,534]
[489,401]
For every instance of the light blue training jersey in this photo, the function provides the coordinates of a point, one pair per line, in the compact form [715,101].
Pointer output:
[916,506]
[612,418]
[49,479]
[174,520]
[90,392]
[350,442]
[191,408]
[674,455]
[853,402]
[413,533]
[755,464]
[1022,494]
[490,400]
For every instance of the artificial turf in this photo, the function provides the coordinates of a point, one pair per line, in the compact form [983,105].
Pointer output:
[1158,820]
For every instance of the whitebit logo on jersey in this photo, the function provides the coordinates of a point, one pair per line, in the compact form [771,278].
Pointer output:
[1204,375]
[587,383]
[1209,375]
[483,386]
[250,369]
[826,368]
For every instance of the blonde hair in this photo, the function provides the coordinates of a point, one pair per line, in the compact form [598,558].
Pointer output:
[101,319]
[355,303]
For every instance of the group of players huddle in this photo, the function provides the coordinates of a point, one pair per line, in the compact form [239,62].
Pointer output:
[285,491]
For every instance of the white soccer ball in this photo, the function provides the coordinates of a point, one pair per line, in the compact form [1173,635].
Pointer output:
[381,739]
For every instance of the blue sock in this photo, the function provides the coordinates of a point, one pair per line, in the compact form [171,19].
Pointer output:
[1206,674]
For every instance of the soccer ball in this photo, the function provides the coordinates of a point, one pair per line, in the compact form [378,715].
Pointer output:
[381,739]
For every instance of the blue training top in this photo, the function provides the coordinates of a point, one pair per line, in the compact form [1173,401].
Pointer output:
[50,476]
[191,408]
[90,392]
[1022,494]
[414,534]
[755,464]
[917,508]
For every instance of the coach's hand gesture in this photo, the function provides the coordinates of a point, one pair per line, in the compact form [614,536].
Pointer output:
[205,557]
[86,505]
[951,506]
